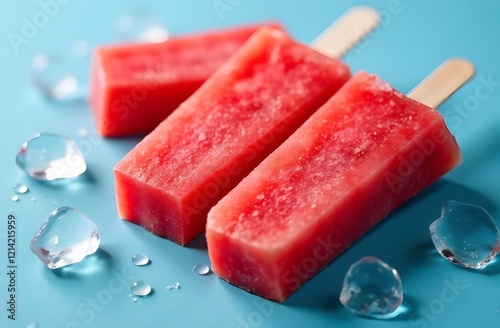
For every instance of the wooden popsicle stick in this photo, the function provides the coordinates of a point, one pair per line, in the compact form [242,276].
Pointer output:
[346,31]
[443,82]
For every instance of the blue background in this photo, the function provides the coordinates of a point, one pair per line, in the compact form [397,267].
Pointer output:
[412,40]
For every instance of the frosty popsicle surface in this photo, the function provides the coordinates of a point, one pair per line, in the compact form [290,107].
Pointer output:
[170,180]
[136,86]
[363,153]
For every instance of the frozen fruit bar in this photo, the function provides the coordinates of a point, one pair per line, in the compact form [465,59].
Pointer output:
[170,180]
[135,87]
[363,153]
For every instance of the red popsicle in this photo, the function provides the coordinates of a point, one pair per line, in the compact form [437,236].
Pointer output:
[363,153]
[135,87]
[170,180]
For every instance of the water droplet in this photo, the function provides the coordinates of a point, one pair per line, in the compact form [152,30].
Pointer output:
[201,269]
[372,288]
[49,156]
[132,297]
[33,199]
[54,76]
[15,198]
[140,288]
[140,259]
[141,26]
[20,188]
[466,235]
[260,197]
[255,213]
[65,238]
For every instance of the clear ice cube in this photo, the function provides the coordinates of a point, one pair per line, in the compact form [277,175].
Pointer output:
[54,76]
[65,238]
[49,157]
[141,26]
[466,235]
[372,288]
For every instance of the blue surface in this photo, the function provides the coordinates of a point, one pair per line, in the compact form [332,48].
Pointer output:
[412,41]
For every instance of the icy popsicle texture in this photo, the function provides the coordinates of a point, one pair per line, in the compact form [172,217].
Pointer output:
[363,153]
[135,87]
[170,180]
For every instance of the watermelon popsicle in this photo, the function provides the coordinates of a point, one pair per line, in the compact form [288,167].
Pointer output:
[170,180]
[363,153]
[136,86]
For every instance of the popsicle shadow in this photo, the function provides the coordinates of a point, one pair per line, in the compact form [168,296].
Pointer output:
[199,242]
[402,240]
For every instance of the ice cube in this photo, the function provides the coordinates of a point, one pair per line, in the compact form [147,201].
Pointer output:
[466,235]
[372,288]
[49,156]
[65,238]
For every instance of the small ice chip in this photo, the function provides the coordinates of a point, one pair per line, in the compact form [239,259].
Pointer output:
[372,288]
[65,238]
[466,235]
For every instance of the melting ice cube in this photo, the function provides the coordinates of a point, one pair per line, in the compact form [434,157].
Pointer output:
[466,235]
[54,76]
[50,156]
[372,288]
[141,26]
[65,238]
